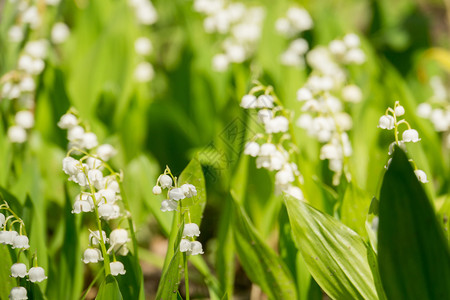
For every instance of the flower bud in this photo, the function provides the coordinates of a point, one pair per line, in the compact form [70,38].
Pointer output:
[421,175]
[399,111]
[156,190]
[165,181]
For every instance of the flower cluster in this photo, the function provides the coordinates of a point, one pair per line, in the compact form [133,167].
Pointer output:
[391,120]
[437,109]
[20,84]
[100,192]
[324,97]
[241,26]
[296,21]
[18,240]
[273,149]
[145,15]
[174,202]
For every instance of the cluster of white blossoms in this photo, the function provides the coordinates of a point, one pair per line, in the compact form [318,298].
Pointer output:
[100,192]
[145,15]
[269,148]
[20,84]
[240,25]
[174,201]
[391,120]
[437,109]
[18,240]
[296,21]
[324,98]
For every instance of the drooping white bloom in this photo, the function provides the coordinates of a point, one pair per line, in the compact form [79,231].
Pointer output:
[37,48]
[337,47]
[295,192]
[36,274]
[386,122]
[304,94]
[20,242]
[67,121]
[31,16]
[92,255]
[106,151]
[191,230]
[196,248]
[17,134]
[75,134]
[94,238]
[189,190]
[60,33]
[81,206]
[421,175]
[351,40]
[7,237]
[220,62]
[24,119]
[265,115]
[264,101]
[144,72]
[143,46]
[424,110]
[252,149]
[156,190]
[118,237]
[352,93]
[248,101]
[399,111]
[18,293]
[185,245]
[117,268]
[19,270]
[169,205]
[410,135]
[106,211]
[176,194]
[277,124]
[15,34]
[27,84]
[107,196]
[71,166]
[89,140]
[165,181]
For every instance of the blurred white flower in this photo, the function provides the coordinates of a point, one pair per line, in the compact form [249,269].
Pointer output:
[143,46]
[60,33]
[17,134]
[144,72]
[18,293]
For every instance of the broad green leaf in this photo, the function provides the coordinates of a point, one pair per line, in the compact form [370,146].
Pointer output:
[193,174]
[7,282]
[355,206]
[262,265]
[170,279]
[413,254]
[335,255]
[109,289]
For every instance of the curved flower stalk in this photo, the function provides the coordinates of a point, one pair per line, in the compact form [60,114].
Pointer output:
[296,21]
[324,97]
[177,197]
[146,15]
[18,240]
[437,110]
[391,120]
[241,27]
[86,164]
[274,150]
[19,85]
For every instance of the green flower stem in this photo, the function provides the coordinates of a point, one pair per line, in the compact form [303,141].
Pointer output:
[186,275]
[130,220]
[92,284]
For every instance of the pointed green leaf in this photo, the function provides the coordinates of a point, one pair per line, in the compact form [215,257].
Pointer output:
[413,255]
[262,265]
[355,206]
[335,255]
[109,289]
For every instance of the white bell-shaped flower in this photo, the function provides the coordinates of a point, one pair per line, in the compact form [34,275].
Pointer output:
[421,175]
[89,140]
[106,211]
[267,149]
[189,190]
[352,93]
[156,190]
[220,62]
[248,101]
[107,196]
[410,135]
[169,205]
[95,176]
[277,124]
[106,151]
[24,119]
[386,122]
[165,181]
[143,46]
[36,274]
[92,255]
[196,248]
[252,149]
[21,242]
[7,237]
[304,94]
[176,194]
[75,134]
[117,268]
[19,270]
[295,192]
[399,111]
[185,245]
[2,220]
[264,101]
[71,166]
[94,238]
[67,121]
[264,115]
[17,134]
[60,33]
[191,230]
[81,206]
[144,72]
[18,293]
[424,110]
[118,237]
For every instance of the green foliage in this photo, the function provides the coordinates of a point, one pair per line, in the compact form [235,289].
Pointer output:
[109,289]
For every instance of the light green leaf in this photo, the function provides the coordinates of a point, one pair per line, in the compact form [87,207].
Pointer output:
[5,271]
[413,254]
[355,206]
[335,255]
[109,289]
[262,265]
